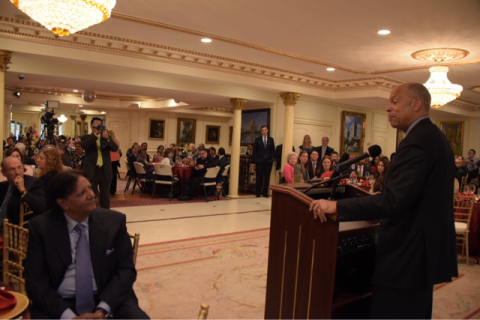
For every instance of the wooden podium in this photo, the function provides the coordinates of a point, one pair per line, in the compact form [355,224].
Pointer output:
[317,270]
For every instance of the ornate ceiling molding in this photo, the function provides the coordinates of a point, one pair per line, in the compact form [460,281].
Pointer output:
[465,105]
[217,109]
[5,57]
[440,55]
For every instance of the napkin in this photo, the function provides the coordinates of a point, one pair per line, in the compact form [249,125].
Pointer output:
[7,300]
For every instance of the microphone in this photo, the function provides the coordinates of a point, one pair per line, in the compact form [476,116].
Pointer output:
[344,157]
[373,151]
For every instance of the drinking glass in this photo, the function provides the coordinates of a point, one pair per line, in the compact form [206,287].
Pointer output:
[466,189]
[372,178]
[472,189]
[367,175]
[355,179]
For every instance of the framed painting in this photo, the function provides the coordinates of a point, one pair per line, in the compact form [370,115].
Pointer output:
[230,136]
[454,133]
[186,130]
[243,150]
[400,137]
[212,134]
[352,136]
[156,129]
[252,122]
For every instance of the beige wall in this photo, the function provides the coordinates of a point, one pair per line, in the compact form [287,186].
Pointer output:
[471,133]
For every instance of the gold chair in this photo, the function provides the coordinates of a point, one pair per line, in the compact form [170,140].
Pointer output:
[136,240]
[203,314]
[15,240]
[463,208]
[464,182]
[24,211]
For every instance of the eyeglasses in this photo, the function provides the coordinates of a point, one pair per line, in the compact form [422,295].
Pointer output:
[13,170]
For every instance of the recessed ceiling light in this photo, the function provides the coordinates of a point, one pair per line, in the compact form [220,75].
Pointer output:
[103,112]
[80,105]
[206,40]
[75,90]
[330,69]
[384,32]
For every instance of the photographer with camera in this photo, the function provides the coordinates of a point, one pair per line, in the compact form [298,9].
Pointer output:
[97,163]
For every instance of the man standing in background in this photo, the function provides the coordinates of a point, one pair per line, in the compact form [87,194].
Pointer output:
[263,155]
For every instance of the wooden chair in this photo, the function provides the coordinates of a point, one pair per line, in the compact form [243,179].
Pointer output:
[464,182]
[24,211]
[135,241]
[203,314]
[211,175]
[15,240]
[463,208]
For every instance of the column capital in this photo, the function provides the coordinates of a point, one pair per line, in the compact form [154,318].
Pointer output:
[237,103]
[289,98]
[73,117]
[5,57]
[83,117]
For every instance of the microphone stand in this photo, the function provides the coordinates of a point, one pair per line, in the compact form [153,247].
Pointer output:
[335,183]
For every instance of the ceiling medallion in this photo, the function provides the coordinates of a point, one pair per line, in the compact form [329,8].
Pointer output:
[89,96]
[440,88]
[64,17]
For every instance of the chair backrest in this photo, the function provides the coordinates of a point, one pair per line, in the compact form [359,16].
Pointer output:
[212,173]
[203,314]
[281,178]
[136,241]
[464,182]
[163,169]
[24,211]
[225,171]
[15,240]
[139,168]
[463,208]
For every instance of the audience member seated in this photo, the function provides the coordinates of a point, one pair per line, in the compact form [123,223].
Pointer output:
[334,157]
[10,144]
[177,158]
[278,156]
[129,151]
[392,156]
[191,185]
[193,153]
[472,164]
[200,146]
[361,168]
[290,167]
[326,170]
[77,155]
[461,170]
[26,160]
[19,188]
[314,165]
[168,156]
[64,155]
[222,163]
[307,144]
[142,158]
[50,164]
[158,157]
[324,149]
[374,164]
[133,157]
[301,167]
[144,146]
[213,154]
[68,146]
[382,167]
[78,234]
[15,152]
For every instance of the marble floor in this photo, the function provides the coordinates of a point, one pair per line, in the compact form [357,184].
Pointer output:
[171,222]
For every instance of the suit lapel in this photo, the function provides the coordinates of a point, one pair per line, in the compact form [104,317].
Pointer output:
[97,235]
[62,239]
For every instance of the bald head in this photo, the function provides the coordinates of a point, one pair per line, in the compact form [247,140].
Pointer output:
[11,168]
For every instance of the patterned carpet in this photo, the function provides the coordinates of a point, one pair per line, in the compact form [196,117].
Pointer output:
[229,273]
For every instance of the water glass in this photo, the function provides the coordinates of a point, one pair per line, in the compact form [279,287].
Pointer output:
[466,189]
[472,189]
[355,179]
[367,175]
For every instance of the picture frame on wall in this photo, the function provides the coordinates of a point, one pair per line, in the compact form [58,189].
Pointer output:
[454,133]
[156,129]
[352,135]
[186,129]
[400,137]
[230,135]
[212,134]
[252,122]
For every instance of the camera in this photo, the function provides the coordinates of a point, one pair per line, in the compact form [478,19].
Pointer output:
[21,76]
[100,128]
[49,123]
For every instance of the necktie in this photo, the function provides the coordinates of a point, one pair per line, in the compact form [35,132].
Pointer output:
[323,152]
[265,142]
[99,149]
[3,209]
[83,274]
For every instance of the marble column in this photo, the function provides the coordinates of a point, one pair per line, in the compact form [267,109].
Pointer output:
[5,57]
[289,100]
[235,159]
[82,125]
[74,126]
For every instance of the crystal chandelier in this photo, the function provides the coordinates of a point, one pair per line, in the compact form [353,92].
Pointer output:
[64,17]
[440,88]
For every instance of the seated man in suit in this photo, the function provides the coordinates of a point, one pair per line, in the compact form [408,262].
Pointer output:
[133,156]
[19,188]
[144,146]
[23,149]
[78,234]
[461,169]
[213,154]
[222,163]
[334,158]
[313,165]
[361,168]
[62,151]
[203,163]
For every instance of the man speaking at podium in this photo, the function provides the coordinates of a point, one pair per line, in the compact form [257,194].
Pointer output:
[416,242]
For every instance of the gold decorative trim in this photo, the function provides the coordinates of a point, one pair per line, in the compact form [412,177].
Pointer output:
[440,54]
[237,103]
[289,98]
[5,57]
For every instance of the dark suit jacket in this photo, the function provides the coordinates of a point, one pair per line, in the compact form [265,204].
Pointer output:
[49,255]
[89,144]
[366,168]
[132,157]
[416,243]
[328,152]
[208,163]
[66,159]
[260,153]
[278,155]
[222,163]
[35,198]
[317,173]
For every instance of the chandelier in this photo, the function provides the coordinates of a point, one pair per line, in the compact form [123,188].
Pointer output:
[64,17]
[440,88]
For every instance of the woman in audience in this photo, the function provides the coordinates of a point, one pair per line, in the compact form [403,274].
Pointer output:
[77,156]
[289,168]
[301,167]
[168,156]
[307,144]
[142,158]
[326,170]
[374,164]
[177,158]
[382,167]
[50,164]
[158,157]
[15,152]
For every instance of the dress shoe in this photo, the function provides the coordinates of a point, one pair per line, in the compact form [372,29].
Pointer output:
[258,196]
[265,196]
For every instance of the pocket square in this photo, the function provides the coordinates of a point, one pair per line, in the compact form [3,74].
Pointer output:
[110,251]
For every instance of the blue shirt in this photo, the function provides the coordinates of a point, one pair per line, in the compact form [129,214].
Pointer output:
[413,124]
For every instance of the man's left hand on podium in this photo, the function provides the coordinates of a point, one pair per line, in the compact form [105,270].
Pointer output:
[322,207]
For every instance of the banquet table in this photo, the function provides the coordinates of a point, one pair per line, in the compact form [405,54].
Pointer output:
[183,173]
[474,235]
